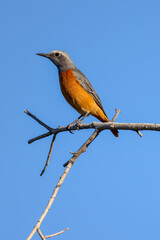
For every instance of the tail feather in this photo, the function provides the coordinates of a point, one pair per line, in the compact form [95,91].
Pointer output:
[115,132]
[103,118]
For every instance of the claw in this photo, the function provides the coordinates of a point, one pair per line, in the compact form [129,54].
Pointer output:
[69,126]
[77,123]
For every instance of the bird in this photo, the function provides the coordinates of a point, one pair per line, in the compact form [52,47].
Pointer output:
[77,89]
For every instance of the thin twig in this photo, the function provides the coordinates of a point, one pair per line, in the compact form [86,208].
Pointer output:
[40,137]
[37,120]
[55,234]
[40,234]
[139,133]
[49,154]
[116,115]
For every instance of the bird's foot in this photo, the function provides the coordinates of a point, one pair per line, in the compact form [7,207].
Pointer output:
[79,124]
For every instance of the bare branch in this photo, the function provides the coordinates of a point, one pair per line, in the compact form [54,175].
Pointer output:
[98,128]
[49,154]
[96,125]
[55,234]
[62,178]
[103,126]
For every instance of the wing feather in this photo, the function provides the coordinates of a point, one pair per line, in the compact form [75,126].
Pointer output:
[84,82]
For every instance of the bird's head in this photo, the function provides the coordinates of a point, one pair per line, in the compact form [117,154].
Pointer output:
[60,58]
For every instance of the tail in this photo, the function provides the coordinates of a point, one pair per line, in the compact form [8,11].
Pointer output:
[103,118]
[115,132]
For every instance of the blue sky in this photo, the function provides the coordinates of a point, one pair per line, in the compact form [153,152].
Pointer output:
[113,190]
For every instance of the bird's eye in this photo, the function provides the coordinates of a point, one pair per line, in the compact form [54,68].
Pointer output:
[57,54]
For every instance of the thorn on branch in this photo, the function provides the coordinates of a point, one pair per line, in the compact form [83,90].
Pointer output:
[72,152]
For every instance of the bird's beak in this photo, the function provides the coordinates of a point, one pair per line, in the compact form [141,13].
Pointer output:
[43,54]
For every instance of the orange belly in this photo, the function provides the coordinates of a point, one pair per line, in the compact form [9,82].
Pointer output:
[78,98]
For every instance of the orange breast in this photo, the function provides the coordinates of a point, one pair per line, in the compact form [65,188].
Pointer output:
[77,97]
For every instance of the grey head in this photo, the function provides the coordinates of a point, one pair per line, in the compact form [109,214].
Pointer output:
[60,58]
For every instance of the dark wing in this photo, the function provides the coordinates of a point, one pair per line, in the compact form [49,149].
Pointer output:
[84,82]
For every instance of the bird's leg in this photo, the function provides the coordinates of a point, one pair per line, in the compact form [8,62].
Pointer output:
[72,124]
[80,121]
